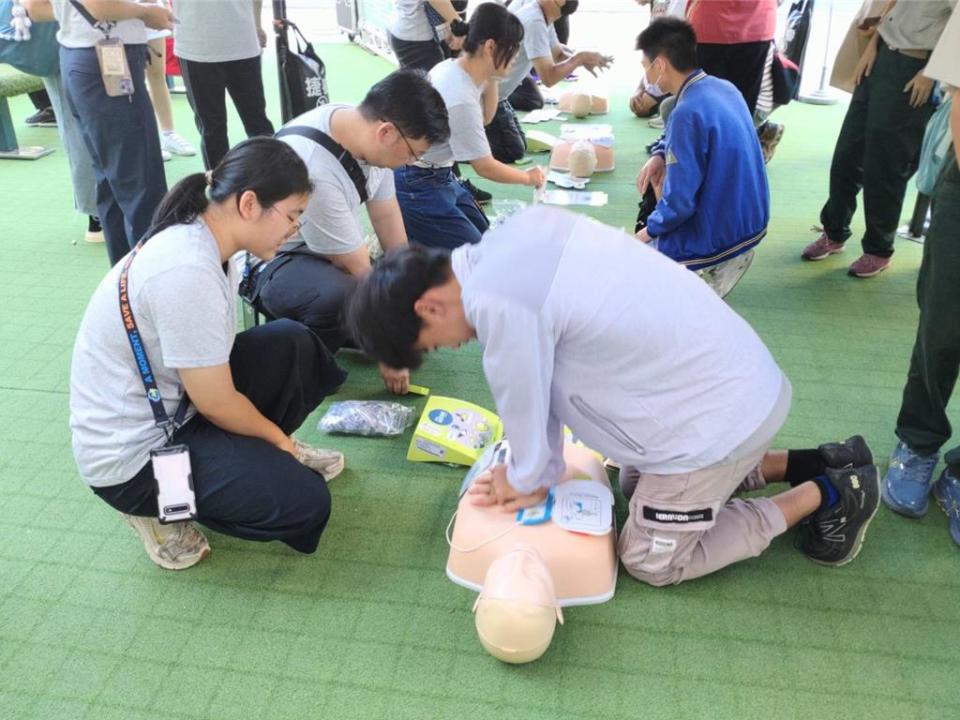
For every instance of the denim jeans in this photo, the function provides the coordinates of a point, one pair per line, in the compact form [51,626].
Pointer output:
[438,211]
[122,138]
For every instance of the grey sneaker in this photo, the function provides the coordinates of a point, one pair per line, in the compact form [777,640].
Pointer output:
[834,535]
[328,463]
[176,546]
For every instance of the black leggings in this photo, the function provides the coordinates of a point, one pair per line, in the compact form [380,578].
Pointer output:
[247,487]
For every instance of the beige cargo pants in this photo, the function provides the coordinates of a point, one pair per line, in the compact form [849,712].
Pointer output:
[682,527]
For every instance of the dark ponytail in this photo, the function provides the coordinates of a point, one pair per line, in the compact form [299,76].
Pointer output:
[491,21]
[266,166]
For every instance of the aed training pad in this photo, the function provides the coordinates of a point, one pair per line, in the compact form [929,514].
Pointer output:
[453,431]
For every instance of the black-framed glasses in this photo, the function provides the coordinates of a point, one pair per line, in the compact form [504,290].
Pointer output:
[416,156]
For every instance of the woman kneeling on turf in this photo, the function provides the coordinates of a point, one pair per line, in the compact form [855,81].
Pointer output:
[158,366]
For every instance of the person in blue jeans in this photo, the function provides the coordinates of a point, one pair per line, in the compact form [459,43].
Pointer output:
[437,209]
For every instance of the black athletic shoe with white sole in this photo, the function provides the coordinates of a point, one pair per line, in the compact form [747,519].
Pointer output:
[834,535]
[851,453]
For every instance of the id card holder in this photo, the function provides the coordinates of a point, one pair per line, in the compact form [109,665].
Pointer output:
[114,69]
[176,501]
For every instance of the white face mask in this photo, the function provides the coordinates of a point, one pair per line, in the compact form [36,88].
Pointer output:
[653,88]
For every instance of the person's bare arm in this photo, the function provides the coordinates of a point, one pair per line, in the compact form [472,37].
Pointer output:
[492,169]
[445,10]
[387,221]
[153,15]
[551,72]
[39,10]
[356,262]
[489,100]
[212,391]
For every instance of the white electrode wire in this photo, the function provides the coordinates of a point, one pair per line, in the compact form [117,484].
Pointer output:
[478,546]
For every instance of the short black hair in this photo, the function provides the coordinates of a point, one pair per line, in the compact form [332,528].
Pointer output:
[380,316]
[673,38]
[491,21]
[408,100]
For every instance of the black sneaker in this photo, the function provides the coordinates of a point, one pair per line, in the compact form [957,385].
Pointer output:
[42,118]
[834,535]
[851,453]
[481,196]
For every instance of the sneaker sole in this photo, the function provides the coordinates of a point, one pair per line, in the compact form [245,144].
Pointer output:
[166,564]
[851,273]
[861,535]
[815,258]
[334,470]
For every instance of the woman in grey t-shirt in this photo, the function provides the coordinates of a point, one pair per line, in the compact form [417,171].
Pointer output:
[437,209]
[243,394]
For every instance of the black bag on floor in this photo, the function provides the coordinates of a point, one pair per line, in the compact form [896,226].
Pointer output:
[304,76]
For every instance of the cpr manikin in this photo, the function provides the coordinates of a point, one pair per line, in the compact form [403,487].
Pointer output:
[576,138]
[517,611]
[527,565]
[583,159]
[580,104]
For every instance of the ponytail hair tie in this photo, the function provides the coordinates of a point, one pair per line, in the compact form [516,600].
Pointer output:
[459,28]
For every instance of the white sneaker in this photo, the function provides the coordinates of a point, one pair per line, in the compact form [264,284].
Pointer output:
[656,123]
[167,157]
[176,546]
[174,143]
[328,463]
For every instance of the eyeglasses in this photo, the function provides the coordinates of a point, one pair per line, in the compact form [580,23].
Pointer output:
[413,153]
[296,222]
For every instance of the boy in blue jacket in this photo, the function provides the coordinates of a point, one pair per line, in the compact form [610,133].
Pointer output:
[709,175]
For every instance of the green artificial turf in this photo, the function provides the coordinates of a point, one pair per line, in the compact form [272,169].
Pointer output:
[369,626]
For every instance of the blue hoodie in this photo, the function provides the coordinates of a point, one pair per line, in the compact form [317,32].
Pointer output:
[716,202]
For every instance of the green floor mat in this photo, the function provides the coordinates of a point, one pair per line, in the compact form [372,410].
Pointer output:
[369,626]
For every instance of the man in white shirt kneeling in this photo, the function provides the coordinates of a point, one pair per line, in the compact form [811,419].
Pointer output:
[584,327]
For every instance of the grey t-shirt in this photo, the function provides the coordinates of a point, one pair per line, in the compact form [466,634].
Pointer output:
[77,32]
[539,39]
[215,30]
[185,308]
[331,223]
[409,21]
[461,95]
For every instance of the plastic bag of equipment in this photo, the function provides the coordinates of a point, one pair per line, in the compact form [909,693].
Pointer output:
[366,417]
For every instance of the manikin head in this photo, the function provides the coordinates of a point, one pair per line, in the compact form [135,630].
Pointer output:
[409,304]
[517,611]
[583,159]
[669,47]
[404,115]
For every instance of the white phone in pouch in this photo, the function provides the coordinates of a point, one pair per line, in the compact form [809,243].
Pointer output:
[171,470]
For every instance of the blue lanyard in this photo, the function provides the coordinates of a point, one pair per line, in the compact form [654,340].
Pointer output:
[152,392]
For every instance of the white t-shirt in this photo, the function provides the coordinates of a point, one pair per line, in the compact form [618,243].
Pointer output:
[185,308]
[76,32]
[215,30]
[539,39]
[944,64]
[461,95]
[409,21]
[581,325]
[331,223]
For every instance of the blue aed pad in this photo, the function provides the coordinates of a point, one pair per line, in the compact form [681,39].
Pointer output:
[538,514]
